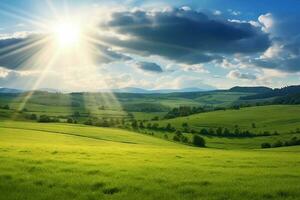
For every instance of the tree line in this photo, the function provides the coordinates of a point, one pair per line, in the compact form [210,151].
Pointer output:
[292,142]
[183,111]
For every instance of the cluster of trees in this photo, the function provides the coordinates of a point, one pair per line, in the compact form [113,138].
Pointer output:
[145,107]
[292,142]
[105,122]
[197,140]
[225,132]
[6,107]
[219,132]
[187,110]
[47,119]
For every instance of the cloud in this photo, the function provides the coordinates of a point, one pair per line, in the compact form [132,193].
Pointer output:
[217,12]
[183,35]
[183,81]
[23,49]
[235,74]
[19,48]
[267,21]
[149,66]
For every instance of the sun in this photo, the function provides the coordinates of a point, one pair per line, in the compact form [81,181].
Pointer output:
[67,33]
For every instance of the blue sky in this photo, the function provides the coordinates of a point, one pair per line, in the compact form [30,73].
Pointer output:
[91,45]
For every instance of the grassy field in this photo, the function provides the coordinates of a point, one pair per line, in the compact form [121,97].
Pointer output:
[281,118]
[59,104]
[60,161]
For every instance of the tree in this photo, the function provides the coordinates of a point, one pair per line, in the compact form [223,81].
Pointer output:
[184,139]
[134,124]
[203,131]
[219,131]
[44,119]
[226,132]
[253,125]
[185,125]
[155,118]
[33,117]
[277,144]
[88,122]
[176,138]
[149,126]
[168,127]
[265,145]
[70,120]
[6,107]
[198,141]
[76,114]
[142,124]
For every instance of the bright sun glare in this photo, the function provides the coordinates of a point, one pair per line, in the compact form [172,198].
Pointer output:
[67,33]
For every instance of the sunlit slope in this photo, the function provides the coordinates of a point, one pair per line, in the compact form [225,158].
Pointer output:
[280,118]
[47,164]
[82,131]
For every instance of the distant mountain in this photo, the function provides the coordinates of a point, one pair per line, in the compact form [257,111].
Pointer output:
[50,90]
[127,90]
[178,90]
[10,90]
[259,89]
[145,91]
[278,92]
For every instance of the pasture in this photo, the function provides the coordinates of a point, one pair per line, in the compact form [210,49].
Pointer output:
[61,161]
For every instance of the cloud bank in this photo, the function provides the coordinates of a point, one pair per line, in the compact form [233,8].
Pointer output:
[184,35]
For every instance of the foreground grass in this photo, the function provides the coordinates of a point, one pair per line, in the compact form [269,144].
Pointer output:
[76,162]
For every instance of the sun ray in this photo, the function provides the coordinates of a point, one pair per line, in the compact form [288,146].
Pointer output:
[17,14]
[37,82]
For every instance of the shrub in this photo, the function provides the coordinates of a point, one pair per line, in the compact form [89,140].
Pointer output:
[203,131]
[265,145]
[198,141]
[88,122]
[6,107]
[178,133]
[47,119]
[33,117]
[219,131]
[184,139]
[277,144]
[176,138]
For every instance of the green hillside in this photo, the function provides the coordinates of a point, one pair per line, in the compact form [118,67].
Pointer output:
[281,118]
[113,105]
[59,161]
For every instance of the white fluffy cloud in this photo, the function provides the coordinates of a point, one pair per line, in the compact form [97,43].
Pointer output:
[267,21]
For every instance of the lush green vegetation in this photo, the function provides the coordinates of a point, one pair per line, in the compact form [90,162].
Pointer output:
[61,161]
[202,145]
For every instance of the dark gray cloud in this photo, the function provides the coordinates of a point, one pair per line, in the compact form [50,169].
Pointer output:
[150,67]
[102,54]
[14,52]
[286,64]
[185,36]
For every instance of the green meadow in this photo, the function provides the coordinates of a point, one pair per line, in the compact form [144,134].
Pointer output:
[76,161]
[61,161]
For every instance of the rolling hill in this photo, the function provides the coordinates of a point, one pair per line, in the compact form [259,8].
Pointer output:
[59,161]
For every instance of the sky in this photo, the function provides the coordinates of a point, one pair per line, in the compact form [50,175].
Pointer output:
[92,45]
